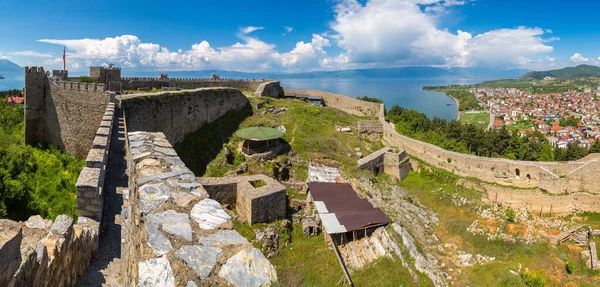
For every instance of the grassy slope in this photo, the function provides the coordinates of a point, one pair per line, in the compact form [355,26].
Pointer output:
[433,191]
[474,119]
[305,261]
[310,132]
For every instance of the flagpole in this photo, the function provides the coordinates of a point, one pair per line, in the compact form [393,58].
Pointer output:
[64,59]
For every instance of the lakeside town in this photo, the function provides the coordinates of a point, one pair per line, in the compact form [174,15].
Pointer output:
[565,119]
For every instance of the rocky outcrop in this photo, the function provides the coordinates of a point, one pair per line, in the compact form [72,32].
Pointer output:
[174,234]
[39,253]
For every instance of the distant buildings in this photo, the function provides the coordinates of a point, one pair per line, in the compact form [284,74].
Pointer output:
[544,112]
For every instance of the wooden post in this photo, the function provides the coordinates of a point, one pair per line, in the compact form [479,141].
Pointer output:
[541,208]
[550,210]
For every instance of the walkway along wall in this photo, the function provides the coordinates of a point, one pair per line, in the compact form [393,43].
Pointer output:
[178,113]
[173,233]
[552,177]
[66,114]
[134,83]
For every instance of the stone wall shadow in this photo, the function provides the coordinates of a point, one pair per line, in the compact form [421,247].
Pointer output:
[200,147]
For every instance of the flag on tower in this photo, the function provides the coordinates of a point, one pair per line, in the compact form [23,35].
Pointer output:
[64,58]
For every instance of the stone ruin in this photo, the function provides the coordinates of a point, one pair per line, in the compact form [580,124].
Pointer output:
[258,198]
[386,160]
[174,234]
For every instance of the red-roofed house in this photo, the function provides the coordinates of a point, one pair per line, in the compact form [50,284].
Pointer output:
[14,100]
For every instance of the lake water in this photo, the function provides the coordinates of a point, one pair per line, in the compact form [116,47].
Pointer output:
[407,93]
[11,82]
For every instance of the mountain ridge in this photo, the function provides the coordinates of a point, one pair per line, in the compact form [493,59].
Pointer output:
[564,73]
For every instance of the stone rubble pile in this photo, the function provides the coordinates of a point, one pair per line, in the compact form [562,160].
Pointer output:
[175,234]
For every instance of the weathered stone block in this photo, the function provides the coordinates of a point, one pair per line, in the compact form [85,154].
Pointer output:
[155,272]
[202,259]
[248,268]
[96,158]
[11,235]
[100,142]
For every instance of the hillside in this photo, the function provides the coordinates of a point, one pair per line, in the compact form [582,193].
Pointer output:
[8,67]
[565,73]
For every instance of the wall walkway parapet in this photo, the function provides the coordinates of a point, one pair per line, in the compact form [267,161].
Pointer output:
[175,234]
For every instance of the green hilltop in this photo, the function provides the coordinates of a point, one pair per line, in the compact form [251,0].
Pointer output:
[565,73]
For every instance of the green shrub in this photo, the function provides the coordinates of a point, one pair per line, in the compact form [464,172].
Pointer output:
[86,79]
[534,279]
[570,267]
[510,215]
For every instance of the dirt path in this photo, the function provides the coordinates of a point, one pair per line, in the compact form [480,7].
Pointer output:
[105,268]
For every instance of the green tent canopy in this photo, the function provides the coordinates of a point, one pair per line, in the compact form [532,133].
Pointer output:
[259,133]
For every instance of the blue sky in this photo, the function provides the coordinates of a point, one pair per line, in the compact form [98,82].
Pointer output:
[270,35]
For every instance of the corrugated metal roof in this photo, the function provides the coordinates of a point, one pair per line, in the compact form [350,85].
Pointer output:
[331,223]
[321,208]
[351,212]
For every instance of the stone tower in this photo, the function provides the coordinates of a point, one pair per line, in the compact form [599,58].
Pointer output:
[36,90]
[110,76]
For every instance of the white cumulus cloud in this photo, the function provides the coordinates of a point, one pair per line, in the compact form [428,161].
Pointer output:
[578,58]
[372,33]
[399,32]
[250,29]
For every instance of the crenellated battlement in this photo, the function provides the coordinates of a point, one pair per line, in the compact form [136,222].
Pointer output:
[78,86]
[220,80]
[35,71]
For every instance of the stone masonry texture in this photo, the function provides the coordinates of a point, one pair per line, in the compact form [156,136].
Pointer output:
[36,253]
[67,116]
[180,112]
[178,237]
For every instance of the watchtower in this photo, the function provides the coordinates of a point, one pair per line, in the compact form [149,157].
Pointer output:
[61,74]
[36,91]
[110,76]
[163,76]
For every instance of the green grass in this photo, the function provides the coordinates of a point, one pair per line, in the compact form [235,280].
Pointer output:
[474,119]
[310,133]
[434,189]
[386,271]
[306,261]
[521,125]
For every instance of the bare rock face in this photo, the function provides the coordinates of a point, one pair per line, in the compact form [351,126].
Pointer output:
[200,258]
[269,239]
[248,268]
[11,235]
[155,272]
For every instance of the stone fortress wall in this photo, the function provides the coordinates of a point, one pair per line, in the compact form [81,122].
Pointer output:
[134,83]
[255,204]
[538,178]
[388,161]
[177,113]
[66,114]
[90,184]
[174,234]
[38,252]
